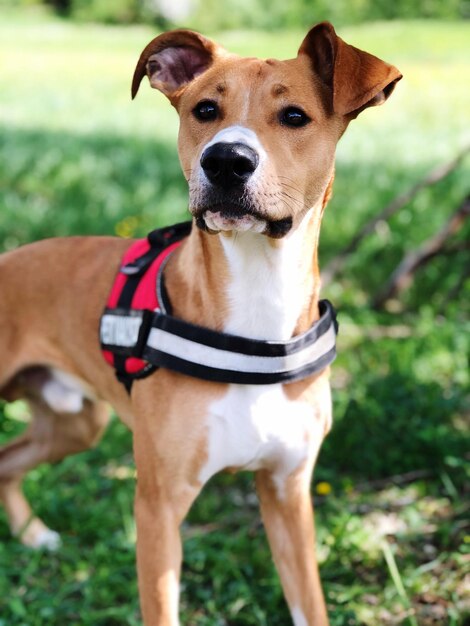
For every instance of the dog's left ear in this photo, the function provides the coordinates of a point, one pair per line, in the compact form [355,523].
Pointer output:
[172,60]
[356,78]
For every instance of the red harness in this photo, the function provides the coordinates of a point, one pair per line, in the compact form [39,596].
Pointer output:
[135,288]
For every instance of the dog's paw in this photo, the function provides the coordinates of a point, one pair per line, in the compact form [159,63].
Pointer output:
[38,537]
[48,540]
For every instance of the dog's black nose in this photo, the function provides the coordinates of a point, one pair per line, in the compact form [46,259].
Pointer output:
[229,164]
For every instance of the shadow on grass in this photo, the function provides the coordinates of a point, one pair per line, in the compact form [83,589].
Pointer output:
[398,425]
[56,184]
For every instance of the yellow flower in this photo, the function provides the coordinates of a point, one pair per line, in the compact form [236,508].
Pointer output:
[126,227]
[323,488]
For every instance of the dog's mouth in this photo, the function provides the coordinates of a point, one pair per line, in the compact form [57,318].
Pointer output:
[216,219]
[226,221]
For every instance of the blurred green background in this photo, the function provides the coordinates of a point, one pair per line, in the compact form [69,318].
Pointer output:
[391,486]
[210,15]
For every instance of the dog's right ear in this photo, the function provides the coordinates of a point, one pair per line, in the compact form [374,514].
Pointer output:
[172,60]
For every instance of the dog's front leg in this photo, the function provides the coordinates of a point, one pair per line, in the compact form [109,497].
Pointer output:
[158,557]
[288,518]
[166,457]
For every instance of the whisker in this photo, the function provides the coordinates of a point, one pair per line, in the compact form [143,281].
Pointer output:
[291,187]
[296,200]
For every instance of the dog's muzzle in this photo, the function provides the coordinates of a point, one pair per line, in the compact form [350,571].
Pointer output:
[227,203]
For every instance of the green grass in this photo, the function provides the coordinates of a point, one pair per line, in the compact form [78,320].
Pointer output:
[77,156]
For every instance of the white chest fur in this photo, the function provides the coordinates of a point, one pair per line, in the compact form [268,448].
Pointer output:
[254,427]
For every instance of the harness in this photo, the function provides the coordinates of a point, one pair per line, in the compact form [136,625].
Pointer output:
[138,334]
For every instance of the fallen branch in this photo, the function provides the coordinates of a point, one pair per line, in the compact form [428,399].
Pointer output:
[397,479]
[433,177]
[402,277]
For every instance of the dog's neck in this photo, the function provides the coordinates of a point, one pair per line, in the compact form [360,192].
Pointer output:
[248,284]
[273,284]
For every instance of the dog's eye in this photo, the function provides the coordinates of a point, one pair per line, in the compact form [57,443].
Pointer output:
[206,111]
[292,116]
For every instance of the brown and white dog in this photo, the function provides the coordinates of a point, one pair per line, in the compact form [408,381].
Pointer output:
[257,143]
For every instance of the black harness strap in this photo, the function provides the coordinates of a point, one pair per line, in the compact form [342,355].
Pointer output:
[166,341]
[220,357]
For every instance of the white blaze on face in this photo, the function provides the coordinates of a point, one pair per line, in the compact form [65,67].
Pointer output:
[239,134]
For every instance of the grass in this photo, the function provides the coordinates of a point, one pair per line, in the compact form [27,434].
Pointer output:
[77,156]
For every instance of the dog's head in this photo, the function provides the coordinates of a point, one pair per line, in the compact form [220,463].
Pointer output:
[257,137]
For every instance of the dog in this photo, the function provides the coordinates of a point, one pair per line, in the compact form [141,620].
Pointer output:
[256,143]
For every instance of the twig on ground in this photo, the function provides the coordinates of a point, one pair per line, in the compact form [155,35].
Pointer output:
[402,277]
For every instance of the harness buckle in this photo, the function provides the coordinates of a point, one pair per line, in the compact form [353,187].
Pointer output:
[139,265]
[144,330]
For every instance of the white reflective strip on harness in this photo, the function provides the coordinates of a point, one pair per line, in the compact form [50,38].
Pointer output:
[208,356]
[120,330]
